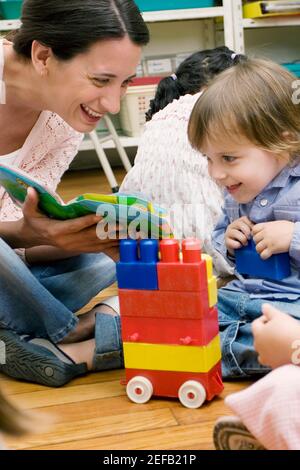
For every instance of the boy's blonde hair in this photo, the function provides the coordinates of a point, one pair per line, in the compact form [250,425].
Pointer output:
[12,421]
[254,99]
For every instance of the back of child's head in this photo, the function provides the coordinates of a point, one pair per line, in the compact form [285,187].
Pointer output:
[255,101]
[12,421]
[191,76]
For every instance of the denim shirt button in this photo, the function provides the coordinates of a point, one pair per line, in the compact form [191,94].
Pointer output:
[264,202]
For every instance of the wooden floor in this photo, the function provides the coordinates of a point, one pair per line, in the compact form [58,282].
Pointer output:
[94,412]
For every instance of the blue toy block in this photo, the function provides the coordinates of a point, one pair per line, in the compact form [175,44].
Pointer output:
[138,272]
[249,262]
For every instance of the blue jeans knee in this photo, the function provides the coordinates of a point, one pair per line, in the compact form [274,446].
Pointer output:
[108,339]
[49,294]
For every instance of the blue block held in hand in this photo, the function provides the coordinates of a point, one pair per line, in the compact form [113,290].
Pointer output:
[249,262]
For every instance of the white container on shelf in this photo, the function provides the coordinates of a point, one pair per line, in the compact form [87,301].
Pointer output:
[135,104]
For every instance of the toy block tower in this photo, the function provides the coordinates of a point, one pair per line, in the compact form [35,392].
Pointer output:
[169,321]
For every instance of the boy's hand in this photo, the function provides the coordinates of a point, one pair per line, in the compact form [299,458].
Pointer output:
[273,237]
[238,234]
[276,337]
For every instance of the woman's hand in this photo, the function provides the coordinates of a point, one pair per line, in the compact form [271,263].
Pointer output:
[238,234]
[273,237]
[76,235]
[276,337]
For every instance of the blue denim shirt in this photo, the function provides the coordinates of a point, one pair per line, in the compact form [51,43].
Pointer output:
[279,200]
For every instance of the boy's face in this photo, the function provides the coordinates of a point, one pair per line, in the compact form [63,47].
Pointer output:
[242,169]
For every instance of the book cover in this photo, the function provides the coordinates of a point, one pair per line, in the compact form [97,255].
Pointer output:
[130,211]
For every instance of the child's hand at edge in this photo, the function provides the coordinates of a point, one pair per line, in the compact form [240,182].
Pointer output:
[273,237]
[238,234]
[276,337]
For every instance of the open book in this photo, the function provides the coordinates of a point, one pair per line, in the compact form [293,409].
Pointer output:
[130,211]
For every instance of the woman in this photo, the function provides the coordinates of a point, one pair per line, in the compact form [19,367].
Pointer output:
[68,65]
[167,170]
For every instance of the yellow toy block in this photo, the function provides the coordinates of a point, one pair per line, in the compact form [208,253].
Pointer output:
[212,291]
[211,281]
[172,357]
[209,265]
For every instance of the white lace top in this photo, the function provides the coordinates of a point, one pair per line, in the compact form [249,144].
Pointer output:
[169,171]
[10,158]
[46,154]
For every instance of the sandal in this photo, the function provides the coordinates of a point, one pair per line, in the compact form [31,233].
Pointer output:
[37,360]
[231,434]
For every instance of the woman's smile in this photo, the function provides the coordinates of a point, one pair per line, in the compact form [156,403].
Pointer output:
[90,115]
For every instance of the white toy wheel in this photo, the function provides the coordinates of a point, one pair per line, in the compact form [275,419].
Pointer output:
[192,394]
[139,389]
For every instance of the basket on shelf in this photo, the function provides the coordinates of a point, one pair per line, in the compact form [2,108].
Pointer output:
[135,104]
[10,9]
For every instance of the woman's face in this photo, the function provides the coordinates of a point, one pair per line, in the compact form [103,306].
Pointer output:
[92,84]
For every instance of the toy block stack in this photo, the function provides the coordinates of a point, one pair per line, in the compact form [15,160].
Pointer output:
[169,321]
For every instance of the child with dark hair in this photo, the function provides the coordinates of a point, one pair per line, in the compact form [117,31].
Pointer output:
[167,170]
[191,76]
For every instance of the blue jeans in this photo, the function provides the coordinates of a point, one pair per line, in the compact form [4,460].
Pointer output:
[42,300]
[237,311]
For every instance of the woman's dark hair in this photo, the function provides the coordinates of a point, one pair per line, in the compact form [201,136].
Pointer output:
[192,74]
[70,27]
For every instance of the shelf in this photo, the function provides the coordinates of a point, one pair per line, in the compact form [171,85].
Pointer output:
[151,16]
[271,22]
[87,144]
[180,15]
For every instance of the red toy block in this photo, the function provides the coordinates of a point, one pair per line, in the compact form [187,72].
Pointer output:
[167,384]
[191,250]
[171,330]
[186,275]
[163,304]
